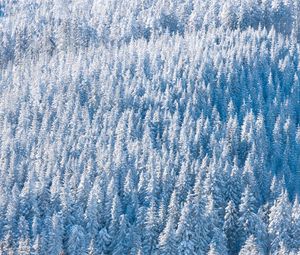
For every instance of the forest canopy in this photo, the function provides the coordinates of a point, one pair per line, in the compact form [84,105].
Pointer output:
[149,127]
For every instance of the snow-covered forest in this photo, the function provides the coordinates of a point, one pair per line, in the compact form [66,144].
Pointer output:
[147,127]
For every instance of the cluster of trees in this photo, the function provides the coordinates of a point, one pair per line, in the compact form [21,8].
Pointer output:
[149,127]
[33,27]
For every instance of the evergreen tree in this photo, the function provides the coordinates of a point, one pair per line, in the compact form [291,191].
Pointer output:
[76,243]
[218,243]
[150,234]
[103,241]
[123,239]
[280,221]
[295,224]
[201,226]
[185,231]
[249,221]
[56,235]
[231,227]
[167,239]
[251,247]
[24,241]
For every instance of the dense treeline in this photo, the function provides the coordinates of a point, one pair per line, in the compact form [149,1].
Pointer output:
[149,127]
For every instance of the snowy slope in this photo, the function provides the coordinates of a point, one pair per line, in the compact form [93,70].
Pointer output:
[149,127]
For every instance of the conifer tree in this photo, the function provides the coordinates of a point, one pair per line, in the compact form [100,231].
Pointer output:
[103,241]
[231,227]
[56,235]
[218,243]
[76,243]
[185,233]
[280,221]
[251,247]
[295,224]
[167,239]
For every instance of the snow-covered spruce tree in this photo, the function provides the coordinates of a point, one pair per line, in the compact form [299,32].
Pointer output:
[76,243]
[231,227]
[251,247]
[167,239]
[185,231]
[280,222]
[294,231]
[218,243]
[56,235]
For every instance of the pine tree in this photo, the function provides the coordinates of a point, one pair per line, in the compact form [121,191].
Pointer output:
[150,235]
[280,221]
[234,184]
[76,243]
[185,231]
[56,235]
[91,215]
[200,220]
[174,207]
[229,15]
[295,226]
[214,187]
[115,216]
[231,227]
[167,239]
[249,221]
[23,238]
[218,243]
[103,241]
[123,239]
[251,247]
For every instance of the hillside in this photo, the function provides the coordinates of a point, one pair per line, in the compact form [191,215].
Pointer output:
[149,127]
